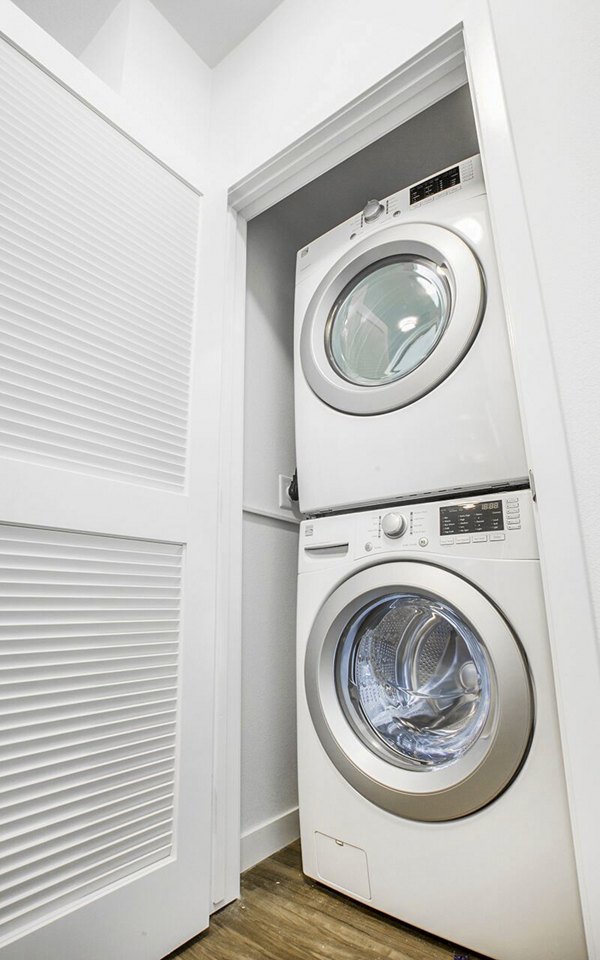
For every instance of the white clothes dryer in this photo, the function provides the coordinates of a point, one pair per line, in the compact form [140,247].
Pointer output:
[403,375]
[430,765]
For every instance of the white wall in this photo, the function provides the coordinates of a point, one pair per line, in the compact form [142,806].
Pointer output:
[554,117]
[307,60]
[269,781]
[159,76]
[268,389]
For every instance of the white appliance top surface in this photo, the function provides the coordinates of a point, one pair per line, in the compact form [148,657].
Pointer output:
[488,526]
[464,180]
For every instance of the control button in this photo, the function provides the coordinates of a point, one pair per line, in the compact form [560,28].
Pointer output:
[513,512]
[514,526]
[463,540]
[393,525]
[368,546]
[480,538]
[512,499]
[372,210]
[497,536]
[423,541]
[446,541]
[309,530]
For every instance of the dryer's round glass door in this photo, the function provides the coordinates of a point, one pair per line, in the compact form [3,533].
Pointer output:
[387,320]
[392,318]
[414,680]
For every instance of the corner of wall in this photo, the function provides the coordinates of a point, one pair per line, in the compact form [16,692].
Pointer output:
[168,84]
[105,54]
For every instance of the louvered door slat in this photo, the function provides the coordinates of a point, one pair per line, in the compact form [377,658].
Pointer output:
[98,257]
[86,783]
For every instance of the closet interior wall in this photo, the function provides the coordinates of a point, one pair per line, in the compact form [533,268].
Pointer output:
[436,138]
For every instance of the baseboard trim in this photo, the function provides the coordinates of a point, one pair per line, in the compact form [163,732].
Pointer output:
[270,837]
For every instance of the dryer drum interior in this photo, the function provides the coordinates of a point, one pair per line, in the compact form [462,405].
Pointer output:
[419,691]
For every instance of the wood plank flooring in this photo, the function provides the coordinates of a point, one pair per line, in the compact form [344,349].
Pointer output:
[282,915]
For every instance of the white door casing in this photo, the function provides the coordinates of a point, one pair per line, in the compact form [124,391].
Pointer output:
[106,693]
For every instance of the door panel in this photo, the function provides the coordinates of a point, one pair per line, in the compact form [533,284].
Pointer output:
[105,746]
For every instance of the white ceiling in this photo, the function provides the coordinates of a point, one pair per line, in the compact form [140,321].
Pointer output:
[211,27]
[214,27]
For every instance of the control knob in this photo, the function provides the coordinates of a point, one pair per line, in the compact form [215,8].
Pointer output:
[393,525]
[372,210]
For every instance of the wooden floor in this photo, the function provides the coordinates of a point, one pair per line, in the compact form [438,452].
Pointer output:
[282,915]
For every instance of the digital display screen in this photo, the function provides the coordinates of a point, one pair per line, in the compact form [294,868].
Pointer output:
[471,518]
[427,188]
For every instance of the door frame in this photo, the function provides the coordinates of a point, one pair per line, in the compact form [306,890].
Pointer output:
[465,53]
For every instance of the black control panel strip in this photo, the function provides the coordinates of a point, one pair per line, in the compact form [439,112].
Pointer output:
[442,181]
[471,518]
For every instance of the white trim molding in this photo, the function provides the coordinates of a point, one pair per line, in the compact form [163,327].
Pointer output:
[436,72]
[268,838]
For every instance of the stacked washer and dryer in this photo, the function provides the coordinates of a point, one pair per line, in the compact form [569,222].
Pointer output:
[430,768]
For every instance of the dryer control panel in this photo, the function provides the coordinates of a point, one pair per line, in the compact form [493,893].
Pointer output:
[498,525]
[465,178]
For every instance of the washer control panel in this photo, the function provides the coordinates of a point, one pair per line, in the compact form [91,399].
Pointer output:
[494,526]
[480,525]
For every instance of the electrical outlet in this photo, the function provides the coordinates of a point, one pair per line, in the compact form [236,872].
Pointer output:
[284,501]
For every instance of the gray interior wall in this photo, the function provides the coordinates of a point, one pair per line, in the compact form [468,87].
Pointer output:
[436,138]
[268,694]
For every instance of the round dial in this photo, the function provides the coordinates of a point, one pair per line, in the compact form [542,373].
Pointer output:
[393,525]
[372,210]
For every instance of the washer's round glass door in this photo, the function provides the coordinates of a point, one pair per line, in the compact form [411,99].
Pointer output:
[418,690]
[388,320]
[414,680]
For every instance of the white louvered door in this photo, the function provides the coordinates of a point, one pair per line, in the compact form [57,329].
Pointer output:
[105,671]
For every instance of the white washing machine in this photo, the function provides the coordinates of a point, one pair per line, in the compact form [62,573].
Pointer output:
[430,765]
[403,374]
